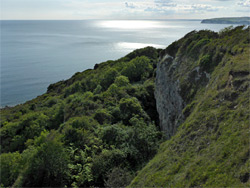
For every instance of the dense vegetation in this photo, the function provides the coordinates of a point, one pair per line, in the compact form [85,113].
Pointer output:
[95,129]
[212,147]
[100,127]
[228,20]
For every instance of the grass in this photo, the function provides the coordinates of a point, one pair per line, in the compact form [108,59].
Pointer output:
[212,147]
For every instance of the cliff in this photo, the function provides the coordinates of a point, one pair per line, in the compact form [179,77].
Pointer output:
[177,117]
[202,95]
[228,20]
[167,93]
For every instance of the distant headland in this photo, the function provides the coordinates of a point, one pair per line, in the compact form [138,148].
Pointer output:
[228,20]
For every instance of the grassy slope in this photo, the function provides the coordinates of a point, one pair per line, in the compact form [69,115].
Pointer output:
[211,148]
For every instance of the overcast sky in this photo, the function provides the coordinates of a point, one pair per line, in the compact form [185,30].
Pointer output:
[120,9]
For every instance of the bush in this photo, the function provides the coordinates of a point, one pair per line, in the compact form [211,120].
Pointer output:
[105,161]
[109,78]
[76,87]
[48,166]
[102,116]
[121,81]
[98,89]
[129,107]
[77,131]
[10,168]
[114,135]
[118,177]
[138,69]
[194,50]
[205,62]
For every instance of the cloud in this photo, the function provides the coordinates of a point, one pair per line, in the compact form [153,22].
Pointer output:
[121,9]
[165,3]
[160,10]
[181,8]
[203,8]
[130,5]
[244,3]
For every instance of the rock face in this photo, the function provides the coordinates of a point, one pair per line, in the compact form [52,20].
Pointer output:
[209,84]
[167,93]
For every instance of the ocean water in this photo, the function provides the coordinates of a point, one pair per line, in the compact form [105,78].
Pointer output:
[35,54]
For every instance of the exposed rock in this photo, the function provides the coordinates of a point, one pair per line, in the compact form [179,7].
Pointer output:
[172,96]
[168,100]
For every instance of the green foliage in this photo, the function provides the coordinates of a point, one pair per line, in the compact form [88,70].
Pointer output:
[103,162]
[211,147]
[118,177]
[139,138]
[79,167]
[46,162]
[74,135]
[113,90]
[229,20]
[76,87]
[138,69]
[109,78]
[122,81]
[10,167]
[149,52]
[100,126]
[98,89]
[129,107]
[29,126]
[225,30]
[193,50]
[205,62]
[77,131]
[102,116]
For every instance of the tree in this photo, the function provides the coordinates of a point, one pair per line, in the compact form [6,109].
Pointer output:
[138,69]
[9,168]
[121,81]
[48,165]
[129,107]
[109,78]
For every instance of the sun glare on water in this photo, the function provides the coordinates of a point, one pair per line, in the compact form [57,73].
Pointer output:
[133,45]
[132,24]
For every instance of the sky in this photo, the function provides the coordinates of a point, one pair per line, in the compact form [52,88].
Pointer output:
[121,9]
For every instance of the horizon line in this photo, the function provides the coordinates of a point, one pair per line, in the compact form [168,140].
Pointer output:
[94,19]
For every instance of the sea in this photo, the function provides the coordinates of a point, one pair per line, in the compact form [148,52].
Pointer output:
[35,54]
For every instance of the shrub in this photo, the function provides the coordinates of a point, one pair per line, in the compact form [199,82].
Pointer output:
[129,107]
[138,69]
[109,78]
[195,49]
[121,81]
[10,168]
[98,89]
[118,177]
[105,161]
[48,165]
[102,116]
[205,62]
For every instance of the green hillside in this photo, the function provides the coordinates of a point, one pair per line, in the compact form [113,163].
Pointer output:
[228,20]
[100,128]
[212,147]
[84,131]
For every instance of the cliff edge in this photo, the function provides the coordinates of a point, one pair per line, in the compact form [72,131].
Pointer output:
[228,20]
[202,95]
